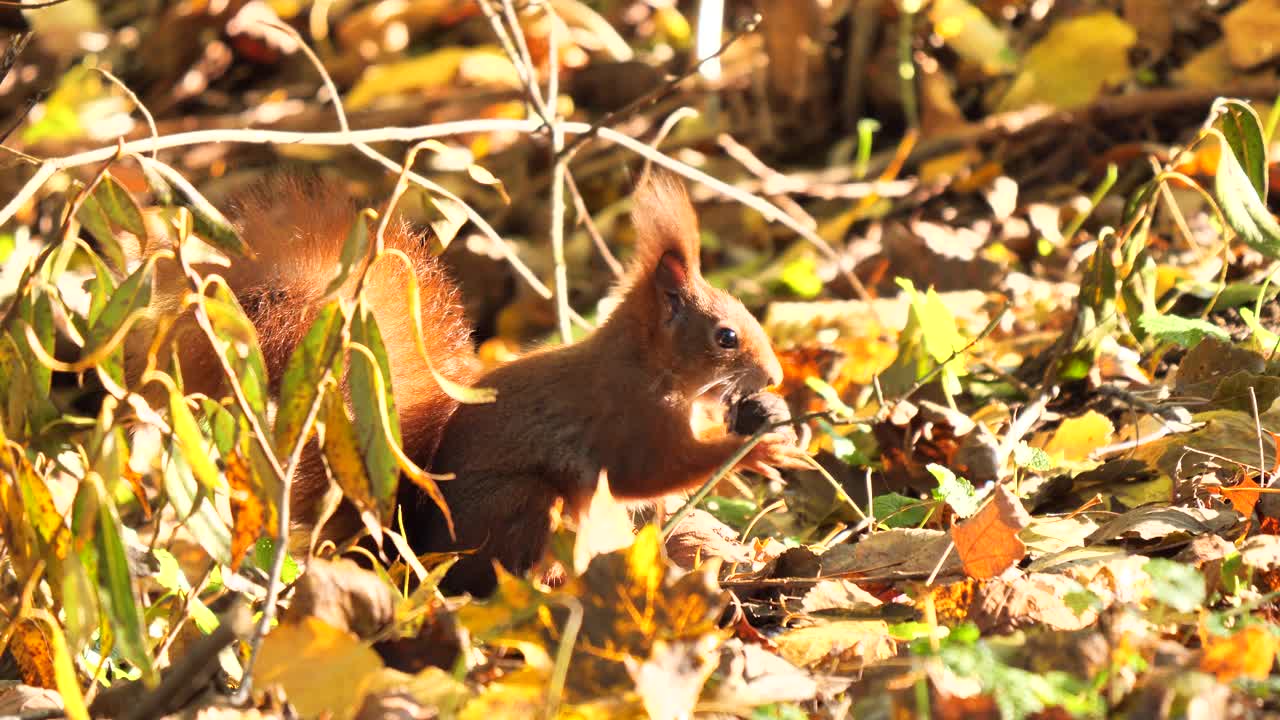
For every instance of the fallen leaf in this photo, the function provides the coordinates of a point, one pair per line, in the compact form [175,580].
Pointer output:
[750,676]
[988,543]
[1250,32]
[838,595]
[1248,653]
[319,667]
[1163,523]
[344,596]
[1076,438]
[671,679]
[1244,495]
[841,647]
[1073,63]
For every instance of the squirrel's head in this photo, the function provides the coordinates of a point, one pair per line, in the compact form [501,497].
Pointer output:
[706,339]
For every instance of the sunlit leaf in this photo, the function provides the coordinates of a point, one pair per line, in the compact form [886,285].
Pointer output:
[368,399]
[116,587]
[107,209]
[318,352]
[194,510]
[209,222]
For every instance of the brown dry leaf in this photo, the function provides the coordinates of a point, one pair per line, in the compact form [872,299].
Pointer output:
[750,676]
[837,595]
[1164,523]
[18,699]
[247,511]
[1248,653]
[988,543]
[603,528]
[1261,552]
[1250,32]
[841,647]
[1003,607]
[1073,63]
[344,596]
[1209,67]
[907,551]
[320,668]
[700,536]
[30,648]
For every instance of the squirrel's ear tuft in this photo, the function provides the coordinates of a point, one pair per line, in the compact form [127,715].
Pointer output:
[666,226]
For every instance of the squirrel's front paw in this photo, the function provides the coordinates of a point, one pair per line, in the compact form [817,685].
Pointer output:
[775,450]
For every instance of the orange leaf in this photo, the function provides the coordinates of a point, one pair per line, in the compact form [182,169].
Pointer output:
[30,648]
[1248,653]
[988,543]
[1244,495]
[247,510]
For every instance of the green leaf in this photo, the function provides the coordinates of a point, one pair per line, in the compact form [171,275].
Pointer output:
[1177,585]
[368,398]
[303,373]
[223,426]
[263,556]
[210,224]
[243,352]
[354,251]
[899,511]
[1031,458]
[734,512]
[346,461]
[1242,129]
[843,447]
[108,208]
[953,490]
[133,295]
[800,276]
[1182,331]
[116,588]
[1245,210]
[1265,338]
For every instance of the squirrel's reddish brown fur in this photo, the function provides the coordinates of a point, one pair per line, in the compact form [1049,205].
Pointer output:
[619,401]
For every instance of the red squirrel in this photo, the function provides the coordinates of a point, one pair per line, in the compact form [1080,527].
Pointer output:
[619,401]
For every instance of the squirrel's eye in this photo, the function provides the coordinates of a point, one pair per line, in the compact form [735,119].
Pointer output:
[726,338]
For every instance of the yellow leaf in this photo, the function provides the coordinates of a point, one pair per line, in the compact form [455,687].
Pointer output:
[1250,33]
[973,36]
[1072,64]
[1077,437]
[319,667]
[846,645]
[433,71]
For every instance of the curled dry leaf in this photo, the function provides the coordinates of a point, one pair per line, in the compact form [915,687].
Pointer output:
[344,596]
[988,543]
[700,536]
